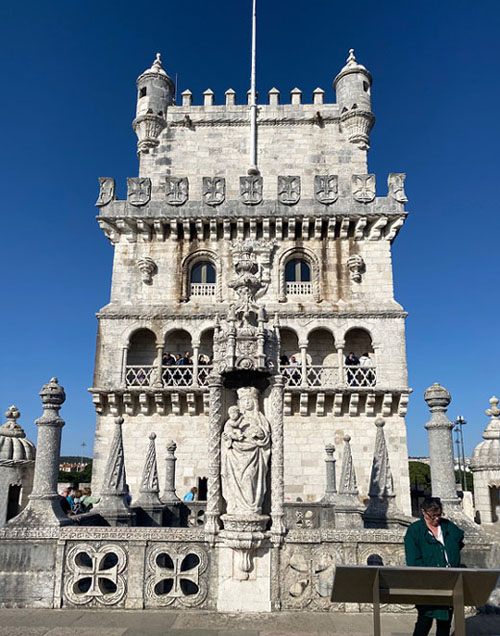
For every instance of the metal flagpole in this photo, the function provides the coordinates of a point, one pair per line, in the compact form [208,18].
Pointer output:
[253,105]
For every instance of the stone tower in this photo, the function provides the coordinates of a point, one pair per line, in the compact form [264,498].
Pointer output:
[311,241]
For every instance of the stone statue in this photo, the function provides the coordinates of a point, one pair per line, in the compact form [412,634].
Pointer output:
[246,447]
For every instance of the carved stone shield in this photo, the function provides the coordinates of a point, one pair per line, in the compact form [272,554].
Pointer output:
[106,191]
[214,190]
[396,183]
[288,190]
[138,190]
[176,190]
[363,187]
[251,189]
[326,188]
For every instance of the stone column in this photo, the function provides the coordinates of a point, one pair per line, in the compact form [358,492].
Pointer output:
[303,362]
[196,355]
[340,354]
[169,496]
[214,452]
[331,480]
[124,366]
[277,460]
[158,381]
[439,430]
[44,508]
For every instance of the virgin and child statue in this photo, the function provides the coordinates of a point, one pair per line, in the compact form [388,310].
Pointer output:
[246,447]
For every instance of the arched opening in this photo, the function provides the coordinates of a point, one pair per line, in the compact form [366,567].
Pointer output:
[290,359]
[13,501]
[298,277]
[141,356]
[322,369]
[360,369]
[202,279]
[177,367]
[494,503]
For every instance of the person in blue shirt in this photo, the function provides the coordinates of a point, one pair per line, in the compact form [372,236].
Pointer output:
[191,495]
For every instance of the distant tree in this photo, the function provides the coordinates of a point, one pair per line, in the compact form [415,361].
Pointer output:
[420,475]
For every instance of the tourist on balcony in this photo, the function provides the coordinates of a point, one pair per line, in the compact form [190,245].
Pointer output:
[366,377]
[191,495]
[167,360]
[351,361]
[296,372]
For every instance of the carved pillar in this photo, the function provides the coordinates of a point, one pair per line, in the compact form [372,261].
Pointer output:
[214,452]
[439,430]
[331,481]
[277,460]
[303,362]
[158,382]
[168,495]
[340,353]
[124,366]
[196,355]
[44,508]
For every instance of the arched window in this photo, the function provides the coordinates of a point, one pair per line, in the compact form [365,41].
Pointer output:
[141,356]
[202,279]
[298,277]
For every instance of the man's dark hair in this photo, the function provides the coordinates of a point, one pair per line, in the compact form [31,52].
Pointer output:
[432,505]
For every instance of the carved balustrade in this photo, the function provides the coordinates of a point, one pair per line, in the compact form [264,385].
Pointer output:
[299,288]
[359,376]
[139,375]
[202,289]
[325,377]
[172,376]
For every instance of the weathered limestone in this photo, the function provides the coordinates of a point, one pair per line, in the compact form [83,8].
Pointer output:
[485,466]
[17,464]
[151,508]
[44,508]
[331,480]
[169,495]
[348,508]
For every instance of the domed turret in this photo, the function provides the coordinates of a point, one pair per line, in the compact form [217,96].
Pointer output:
[352,86]
[13,443]
[486,455]
[155,93]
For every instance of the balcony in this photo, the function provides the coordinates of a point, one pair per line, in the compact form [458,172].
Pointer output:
[172,376]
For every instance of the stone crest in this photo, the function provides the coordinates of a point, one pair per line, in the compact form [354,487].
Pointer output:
[363,187]
[176,190]
[326,188]
[251,189]
[138,190]
[148,268]
[396,184]
[214,190]
[288,190]
[106,191]
[356,266]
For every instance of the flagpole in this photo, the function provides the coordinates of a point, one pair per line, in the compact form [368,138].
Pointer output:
[253,103]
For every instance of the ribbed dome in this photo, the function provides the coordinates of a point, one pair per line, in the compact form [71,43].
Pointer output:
[487,454]
[13,443]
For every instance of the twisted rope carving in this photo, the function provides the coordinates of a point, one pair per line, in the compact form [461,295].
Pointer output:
[214,453]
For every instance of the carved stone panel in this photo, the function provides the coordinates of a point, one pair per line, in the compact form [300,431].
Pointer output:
[95,575]
[214,190]
[251,189]
[176,576]
[363,187]
[106,191]
[138,190]
[288,190]
[326,188]
[396,183]
[176,190]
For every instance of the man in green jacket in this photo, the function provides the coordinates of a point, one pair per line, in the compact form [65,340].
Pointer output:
[433,542]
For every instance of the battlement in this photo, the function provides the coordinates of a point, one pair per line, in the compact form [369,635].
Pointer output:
[273,95]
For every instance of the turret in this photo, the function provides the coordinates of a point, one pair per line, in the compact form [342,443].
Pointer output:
[155,93]
[352,86]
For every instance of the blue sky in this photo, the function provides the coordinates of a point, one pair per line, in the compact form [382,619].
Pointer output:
[69,70]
